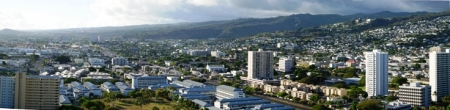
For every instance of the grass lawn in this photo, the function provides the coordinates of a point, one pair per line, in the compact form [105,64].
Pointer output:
[127,104]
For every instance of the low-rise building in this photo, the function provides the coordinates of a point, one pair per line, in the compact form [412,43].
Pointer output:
[210,91]
[93,88]
[237,103]
[228,92]
[109,87]
[397,105]
[415,94]
[78,90]
[145,81]
[216,68]
[124,88]
[63,100]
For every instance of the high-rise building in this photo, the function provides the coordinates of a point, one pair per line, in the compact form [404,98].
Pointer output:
[285,64]
[119,61]
[36,92]
[415,94]
[439,70]
[260,64]
[376,72]
[6,92]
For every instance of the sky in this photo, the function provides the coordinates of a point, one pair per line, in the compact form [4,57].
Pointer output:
[56,14]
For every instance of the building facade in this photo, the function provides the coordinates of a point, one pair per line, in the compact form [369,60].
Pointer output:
[286,64]
[6,92]
[228,92]
[145,81]
[415,94]
[376,73]
[36,92]
[119,61]
[260,64]
[439,70]
[124,88]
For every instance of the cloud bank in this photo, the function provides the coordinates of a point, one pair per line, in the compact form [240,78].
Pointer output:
[134,12]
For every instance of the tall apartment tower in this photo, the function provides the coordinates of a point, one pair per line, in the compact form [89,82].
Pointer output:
[36,92]
[260,64]
[376,72]
[6,92]
[439,70]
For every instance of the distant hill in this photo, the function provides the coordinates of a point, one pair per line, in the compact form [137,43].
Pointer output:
[10,32]
[251,26]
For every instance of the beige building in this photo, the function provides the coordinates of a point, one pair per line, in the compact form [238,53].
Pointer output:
[36,92]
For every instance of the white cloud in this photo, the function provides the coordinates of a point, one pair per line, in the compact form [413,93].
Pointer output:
[135,12]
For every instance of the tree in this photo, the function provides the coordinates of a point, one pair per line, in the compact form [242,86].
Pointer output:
[349,75]
[340,85]
[69,80]
[282,94]
[92,69]
[371,104]
[3,63]
[314,97]
[446,99]
[155,108]
[140,101]
[353,105]
[362,82]
[399,80]
[391,98]
[417,66]
[62,59]
[320,107]
[416,108]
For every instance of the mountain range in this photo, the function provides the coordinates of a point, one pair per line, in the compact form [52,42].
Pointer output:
[220,29]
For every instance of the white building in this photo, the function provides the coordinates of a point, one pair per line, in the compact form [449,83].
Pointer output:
[6,92]
[94,89]
[439,70]
[119,61]
[109,87]
[217,54]
[228,92]
[145,81]
[415,94]
[124,88]
[376,73]
[397,105]
[286,64]
[205,52]
[78,90]
[96,62]
[260,64]
[237,103]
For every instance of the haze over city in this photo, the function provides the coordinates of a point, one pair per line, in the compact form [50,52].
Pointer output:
[55,14]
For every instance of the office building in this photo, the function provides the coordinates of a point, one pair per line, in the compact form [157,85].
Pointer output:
[36,92]
[228,92]
[415,94]
[145,81]
[439,70]
[260,64]
[376,73]
[119,61]
[286,64]
[6,92]
[124,88]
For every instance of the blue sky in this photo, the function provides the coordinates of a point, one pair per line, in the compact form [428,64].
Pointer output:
[54,14]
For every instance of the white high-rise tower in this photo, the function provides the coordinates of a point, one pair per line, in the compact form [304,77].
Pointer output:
[376,72]
[439,71]
[260,64]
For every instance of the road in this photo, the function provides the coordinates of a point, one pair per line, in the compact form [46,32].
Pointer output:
[273,99]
